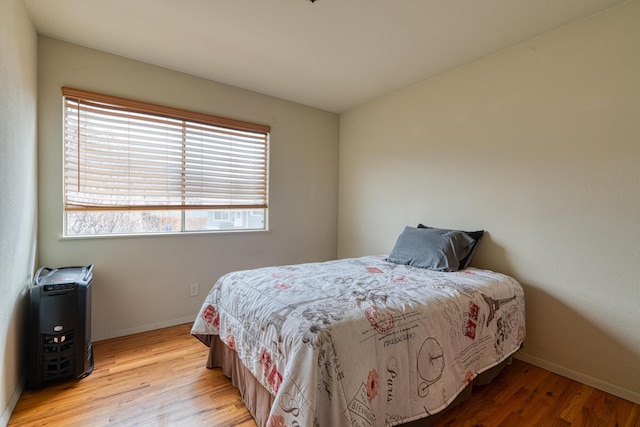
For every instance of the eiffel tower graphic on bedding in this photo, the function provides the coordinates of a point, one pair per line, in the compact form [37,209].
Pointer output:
[494,305]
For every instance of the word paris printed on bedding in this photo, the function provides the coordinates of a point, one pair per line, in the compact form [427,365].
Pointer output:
[364,341]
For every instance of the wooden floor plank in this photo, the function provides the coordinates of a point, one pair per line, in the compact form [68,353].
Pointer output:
[158,378]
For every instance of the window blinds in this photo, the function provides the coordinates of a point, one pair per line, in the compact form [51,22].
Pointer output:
[128,155]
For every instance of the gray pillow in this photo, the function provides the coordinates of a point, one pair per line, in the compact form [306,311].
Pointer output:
[431,248]
[476,236]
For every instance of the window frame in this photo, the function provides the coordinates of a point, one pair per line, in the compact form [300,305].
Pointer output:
[210,164]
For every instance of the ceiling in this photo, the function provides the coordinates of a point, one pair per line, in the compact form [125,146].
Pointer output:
[330,54]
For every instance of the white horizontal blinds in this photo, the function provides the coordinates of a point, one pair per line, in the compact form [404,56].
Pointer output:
[120,160]
[224,167]
[121,155]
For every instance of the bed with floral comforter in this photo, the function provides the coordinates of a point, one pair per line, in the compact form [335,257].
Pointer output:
[361,341]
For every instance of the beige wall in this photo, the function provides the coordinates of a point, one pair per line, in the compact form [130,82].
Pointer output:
[142,283]
[539,145]
[18,175]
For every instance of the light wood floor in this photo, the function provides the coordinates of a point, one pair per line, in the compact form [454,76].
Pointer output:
[158,378]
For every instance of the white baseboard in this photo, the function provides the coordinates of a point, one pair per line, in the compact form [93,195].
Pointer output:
[15,396]
[142,328]
[623,393]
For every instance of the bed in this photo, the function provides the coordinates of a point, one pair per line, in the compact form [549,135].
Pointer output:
[368,341]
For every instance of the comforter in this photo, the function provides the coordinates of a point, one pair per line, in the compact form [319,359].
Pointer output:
[361,341]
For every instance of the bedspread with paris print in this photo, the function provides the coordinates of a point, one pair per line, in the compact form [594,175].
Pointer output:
[361,341]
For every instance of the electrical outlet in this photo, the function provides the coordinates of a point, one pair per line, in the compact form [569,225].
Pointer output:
[193,289]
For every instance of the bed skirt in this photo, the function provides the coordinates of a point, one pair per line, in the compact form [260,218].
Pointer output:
[258,400]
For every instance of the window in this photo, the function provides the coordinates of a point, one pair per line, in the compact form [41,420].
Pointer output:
[132,167]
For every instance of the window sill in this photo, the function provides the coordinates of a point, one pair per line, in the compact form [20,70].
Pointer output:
[166,234]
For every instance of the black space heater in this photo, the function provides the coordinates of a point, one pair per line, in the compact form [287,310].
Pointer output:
[59,345]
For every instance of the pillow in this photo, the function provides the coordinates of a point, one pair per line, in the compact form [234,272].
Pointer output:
[475,235]
[431,248]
